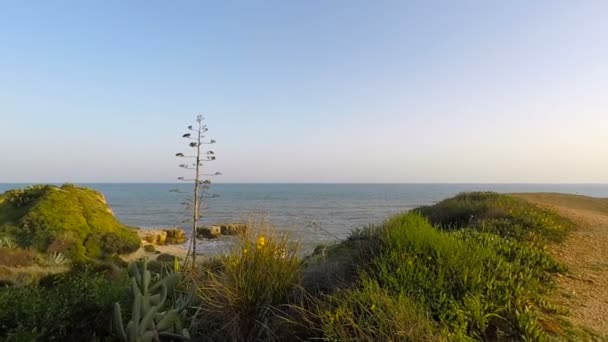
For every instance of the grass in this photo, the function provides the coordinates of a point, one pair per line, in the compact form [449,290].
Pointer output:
[472,267]
[369,312]
[244,294]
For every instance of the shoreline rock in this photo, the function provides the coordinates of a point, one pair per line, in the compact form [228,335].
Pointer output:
[162,237]
[214,231]
[210,232]
[233,228]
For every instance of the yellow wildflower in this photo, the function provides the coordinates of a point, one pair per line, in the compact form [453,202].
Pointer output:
[261,242]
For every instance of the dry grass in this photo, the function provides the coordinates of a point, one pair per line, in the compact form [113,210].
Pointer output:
[16,257]
[28,275]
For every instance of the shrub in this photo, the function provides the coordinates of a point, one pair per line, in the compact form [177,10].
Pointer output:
[501,214]
[70,307]
[149,248]
[370,313]
[244,295]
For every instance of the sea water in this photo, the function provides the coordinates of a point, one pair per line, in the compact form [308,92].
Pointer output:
[311,213]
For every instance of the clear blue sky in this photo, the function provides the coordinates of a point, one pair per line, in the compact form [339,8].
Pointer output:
[306,91]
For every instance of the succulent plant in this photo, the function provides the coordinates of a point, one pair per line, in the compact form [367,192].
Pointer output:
[149,319]
[57,258]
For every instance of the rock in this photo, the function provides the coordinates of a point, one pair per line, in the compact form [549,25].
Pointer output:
[165,257]
[150,248]
[233,228]
[154,237]
[211,232]
[161,237]
[175,236]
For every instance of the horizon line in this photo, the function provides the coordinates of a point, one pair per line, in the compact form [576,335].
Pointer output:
[320,182]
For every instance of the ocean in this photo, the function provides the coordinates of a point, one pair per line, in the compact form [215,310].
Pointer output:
[312,213]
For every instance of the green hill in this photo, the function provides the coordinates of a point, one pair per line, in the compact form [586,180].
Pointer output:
[69,219]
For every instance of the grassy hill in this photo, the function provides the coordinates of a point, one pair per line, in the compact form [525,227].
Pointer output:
[72,220]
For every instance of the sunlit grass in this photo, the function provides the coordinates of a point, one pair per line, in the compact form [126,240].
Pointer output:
[244,293]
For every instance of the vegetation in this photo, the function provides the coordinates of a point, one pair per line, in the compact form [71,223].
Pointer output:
[200,186]
[482,276]
[244,295]
[504,215]
[75,306]
[151,320]
[71,220]
[470,268]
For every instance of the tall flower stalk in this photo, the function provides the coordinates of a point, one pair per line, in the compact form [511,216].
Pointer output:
[201,184]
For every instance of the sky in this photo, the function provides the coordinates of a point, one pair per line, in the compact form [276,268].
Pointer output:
[306,91]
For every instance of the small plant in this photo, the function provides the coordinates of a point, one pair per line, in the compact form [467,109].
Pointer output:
[7,242]
[149,319]
[57,258]
[23,197]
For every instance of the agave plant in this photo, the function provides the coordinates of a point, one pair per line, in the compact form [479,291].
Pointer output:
[7,242]
[150,319]
[57,258]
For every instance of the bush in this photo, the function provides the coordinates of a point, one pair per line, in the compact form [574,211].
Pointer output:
[149,248]
[371,313]
[244,295]
[500,214]
[70,307]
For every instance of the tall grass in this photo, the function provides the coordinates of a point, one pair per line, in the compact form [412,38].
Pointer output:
[245,295]
[482,276]
[369,312]
[472,290]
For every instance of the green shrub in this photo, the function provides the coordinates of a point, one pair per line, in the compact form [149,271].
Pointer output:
[370,313]
[501,214]
[70,307]
[149,248]
[244,296]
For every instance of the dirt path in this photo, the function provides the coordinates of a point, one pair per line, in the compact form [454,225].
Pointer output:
[584,289]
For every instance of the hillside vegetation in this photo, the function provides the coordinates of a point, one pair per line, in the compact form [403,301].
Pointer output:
[67,219]
[472,267]
[475,267]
